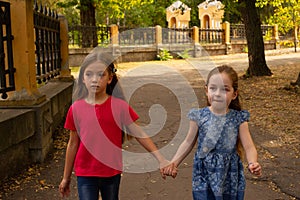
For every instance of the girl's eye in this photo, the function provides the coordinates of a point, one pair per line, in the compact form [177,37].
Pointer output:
[212,88]
[227,89]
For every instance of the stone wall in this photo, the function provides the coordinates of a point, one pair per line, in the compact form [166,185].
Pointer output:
[26,132]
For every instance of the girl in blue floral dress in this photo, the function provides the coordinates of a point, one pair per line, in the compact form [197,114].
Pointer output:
[222,132]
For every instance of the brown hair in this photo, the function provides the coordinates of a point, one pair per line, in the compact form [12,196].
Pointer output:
[235,103]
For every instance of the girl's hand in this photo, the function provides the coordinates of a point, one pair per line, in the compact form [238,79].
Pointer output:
[255,168]
[170,170]
[64,188]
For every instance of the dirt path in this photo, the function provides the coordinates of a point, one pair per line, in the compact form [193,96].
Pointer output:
[172,89]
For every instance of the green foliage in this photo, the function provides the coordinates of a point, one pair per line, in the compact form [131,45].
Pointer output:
[184,54]
[231,12]
[245,49]
[286,43]
[285,13]
[164,55]
[268,36]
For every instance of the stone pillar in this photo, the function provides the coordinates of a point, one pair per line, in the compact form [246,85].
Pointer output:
[26,92]
[65,72]
[114,44]
[158,39]
[197,47]
[114,35]
[158,35]
[226,38]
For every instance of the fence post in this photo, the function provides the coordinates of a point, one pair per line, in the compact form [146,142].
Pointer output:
[65,72]
[158,37]
[26,92]
[195,38]
[114,31]
[114,36]
[276,36]
[226,40]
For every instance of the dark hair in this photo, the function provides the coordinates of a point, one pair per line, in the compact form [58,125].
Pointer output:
[113,88]
[235,103]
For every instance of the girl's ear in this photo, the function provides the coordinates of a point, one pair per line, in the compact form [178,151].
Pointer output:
[235,94]
[110,79]
[206,90]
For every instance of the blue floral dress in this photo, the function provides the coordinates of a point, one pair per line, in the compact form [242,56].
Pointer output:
[218,172]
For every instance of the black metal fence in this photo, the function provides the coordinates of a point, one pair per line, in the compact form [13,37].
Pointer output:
[138,36]
[146,36]
[7,69]
[47,43]
[88,36]
[237,31]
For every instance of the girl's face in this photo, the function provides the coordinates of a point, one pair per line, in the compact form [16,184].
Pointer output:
[96,78]
[220,92]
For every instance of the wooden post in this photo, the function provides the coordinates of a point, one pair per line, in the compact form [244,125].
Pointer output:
[26,92]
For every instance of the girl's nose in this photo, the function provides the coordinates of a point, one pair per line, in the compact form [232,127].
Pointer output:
[95,78]
[218,92]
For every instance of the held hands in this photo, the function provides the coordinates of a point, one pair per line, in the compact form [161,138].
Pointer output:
[255,168]
[169,170]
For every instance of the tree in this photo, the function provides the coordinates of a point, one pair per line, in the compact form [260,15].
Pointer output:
[256,52]
[88,20]
[297,82]
[87,10]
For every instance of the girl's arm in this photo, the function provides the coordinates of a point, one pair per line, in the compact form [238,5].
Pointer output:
[187,145]
[145,141]
[71,151]
[250,150]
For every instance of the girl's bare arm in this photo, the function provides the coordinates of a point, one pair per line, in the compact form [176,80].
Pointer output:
[250,149]
[187,145]
[71,151]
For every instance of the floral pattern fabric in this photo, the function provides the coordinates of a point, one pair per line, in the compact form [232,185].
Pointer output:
[218,171]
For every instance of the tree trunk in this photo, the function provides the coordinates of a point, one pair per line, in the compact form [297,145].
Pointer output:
[256,50]
[297,82]
[88,21]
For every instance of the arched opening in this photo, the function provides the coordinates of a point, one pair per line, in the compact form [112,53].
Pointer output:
[173,22]
[206,21]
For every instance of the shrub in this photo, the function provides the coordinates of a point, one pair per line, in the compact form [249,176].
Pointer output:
[164,55]
[184,54]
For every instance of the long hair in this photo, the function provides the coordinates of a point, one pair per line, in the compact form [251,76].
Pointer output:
[235,103]
[113,89]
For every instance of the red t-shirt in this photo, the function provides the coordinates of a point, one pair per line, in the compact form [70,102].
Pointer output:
[100,130]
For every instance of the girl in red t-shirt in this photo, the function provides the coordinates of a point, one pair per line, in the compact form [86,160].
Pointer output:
[96,120]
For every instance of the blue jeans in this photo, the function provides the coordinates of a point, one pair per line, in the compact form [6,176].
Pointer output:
[89,187]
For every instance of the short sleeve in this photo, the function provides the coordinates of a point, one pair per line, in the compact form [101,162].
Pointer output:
[129,116]
[193,114]
[69,123]
[245,116]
